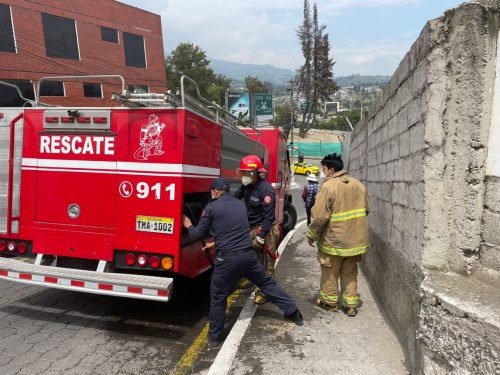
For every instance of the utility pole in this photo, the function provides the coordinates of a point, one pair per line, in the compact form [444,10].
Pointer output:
[361,105]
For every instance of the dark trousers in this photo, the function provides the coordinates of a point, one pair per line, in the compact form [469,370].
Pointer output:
[308,212]
[228,270]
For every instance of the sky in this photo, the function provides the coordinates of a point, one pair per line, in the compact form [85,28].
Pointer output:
[368,37]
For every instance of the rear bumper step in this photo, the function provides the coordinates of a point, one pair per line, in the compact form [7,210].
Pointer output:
[113,284]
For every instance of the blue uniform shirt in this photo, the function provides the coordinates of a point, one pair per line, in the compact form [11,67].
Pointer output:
[260,203]
[227,217]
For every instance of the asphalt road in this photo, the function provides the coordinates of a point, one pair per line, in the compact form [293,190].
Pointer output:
[50,331]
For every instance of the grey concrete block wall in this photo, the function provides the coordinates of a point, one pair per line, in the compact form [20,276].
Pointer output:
[490,251]
[422,154]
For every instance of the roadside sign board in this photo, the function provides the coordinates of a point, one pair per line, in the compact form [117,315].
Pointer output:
[263,104]
[238,105]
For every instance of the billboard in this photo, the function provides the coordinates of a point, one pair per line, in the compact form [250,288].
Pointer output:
[238,105]
[263,104]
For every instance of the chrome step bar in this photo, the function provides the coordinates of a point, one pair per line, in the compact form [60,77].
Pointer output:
[113,284]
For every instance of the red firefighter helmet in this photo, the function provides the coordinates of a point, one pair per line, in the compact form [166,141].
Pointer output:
[250,163]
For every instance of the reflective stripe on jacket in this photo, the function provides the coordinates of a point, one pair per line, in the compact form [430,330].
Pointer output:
[338,218]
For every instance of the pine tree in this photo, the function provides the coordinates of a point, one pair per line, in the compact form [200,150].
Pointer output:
[315,79]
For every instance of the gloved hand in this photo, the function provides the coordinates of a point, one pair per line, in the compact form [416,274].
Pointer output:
[258,242]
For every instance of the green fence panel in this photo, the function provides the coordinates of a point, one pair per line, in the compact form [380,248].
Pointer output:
[318,148]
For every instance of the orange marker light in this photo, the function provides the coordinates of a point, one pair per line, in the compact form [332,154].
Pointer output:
[167,263]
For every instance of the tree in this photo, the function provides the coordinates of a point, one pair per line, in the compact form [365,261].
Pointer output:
[315,79]
[218,88]
[192,61]
[282,118]
[189,59]
[254,85]
[340,123]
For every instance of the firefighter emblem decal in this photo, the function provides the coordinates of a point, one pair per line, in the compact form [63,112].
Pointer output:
[150,141]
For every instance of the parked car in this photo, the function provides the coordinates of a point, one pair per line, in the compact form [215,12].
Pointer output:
[305,168]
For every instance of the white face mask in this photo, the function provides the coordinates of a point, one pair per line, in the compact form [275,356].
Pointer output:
[245,180]
[322,174]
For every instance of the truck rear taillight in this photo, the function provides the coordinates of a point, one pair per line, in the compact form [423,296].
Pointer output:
[154,262]
[142,260]
[11,247]
[167,263]
[126,259]
[130,259]
[22,248]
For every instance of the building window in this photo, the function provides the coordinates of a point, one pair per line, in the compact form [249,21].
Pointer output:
[9,96]
[52,88]
[135,54]
[109,35]
[7,43]
[60,37]
[138,89]
[92,90]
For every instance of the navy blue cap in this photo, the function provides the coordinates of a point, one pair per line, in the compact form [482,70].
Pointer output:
[220,184]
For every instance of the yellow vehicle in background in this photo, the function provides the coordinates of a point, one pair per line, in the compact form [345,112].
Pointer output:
[305,168]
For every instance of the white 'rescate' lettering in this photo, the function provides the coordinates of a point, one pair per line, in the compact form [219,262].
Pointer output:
[44,144]
[109,146]
[65,145]
[87,147]
[77,145]
[74,148]
[98,141]
[55,145]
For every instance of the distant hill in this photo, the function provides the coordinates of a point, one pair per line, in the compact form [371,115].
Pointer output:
[358,80]
[280,77]
[238,71]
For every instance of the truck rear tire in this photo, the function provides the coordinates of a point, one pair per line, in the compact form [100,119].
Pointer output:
[289,218]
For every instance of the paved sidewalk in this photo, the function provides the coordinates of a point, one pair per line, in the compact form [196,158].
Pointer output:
[328,342]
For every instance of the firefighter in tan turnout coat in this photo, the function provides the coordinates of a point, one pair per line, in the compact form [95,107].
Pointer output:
[339,226]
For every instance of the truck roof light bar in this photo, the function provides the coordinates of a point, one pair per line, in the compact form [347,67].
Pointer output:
[52,120]
[100,120]
[83,120]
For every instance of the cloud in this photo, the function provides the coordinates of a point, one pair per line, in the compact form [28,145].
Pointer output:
[264,32]
[381,57]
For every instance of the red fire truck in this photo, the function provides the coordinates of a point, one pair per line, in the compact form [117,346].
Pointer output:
[91,199]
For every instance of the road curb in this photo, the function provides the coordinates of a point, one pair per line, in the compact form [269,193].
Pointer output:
[224,360]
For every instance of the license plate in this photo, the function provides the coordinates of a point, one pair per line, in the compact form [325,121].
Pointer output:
[154,224]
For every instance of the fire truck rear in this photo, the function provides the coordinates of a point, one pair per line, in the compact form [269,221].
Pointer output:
[91,199]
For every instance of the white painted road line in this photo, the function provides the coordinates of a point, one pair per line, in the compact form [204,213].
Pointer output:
[224,360]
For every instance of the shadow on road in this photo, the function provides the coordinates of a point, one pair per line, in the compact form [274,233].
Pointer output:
[188,307]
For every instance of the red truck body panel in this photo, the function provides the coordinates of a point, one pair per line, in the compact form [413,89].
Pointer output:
[108,181]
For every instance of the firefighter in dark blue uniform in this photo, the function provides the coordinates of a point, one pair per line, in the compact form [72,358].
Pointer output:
[260,201]
[235,258]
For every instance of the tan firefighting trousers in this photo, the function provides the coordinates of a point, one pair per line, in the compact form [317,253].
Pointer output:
[272,240]
[335,267]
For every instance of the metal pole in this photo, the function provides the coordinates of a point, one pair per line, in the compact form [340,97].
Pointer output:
[361,105]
